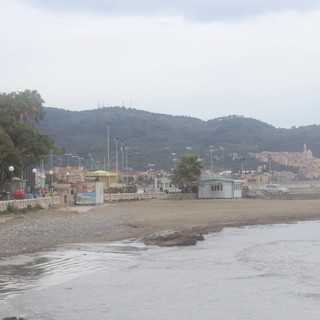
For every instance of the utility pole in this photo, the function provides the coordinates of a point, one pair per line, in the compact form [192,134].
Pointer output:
[122,160]
[116,140]
[60,160]
[269,160]
[51,160]
[126,150]
[108,145]
[242,159]
[211,163]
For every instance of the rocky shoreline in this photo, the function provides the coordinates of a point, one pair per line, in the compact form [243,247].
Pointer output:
[47,229]
[155,222]
[171,238]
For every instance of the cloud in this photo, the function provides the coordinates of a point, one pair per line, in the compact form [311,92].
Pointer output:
[200,10]
[265,67]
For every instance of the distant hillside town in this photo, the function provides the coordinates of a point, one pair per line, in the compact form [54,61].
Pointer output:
[308,165]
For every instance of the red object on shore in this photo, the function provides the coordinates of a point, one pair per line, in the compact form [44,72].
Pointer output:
[19,194]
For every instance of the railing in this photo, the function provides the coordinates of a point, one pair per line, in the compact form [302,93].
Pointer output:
[133,196]
[68,200]
[44,202]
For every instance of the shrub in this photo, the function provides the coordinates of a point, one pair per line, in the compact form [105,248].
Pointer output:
[11,208]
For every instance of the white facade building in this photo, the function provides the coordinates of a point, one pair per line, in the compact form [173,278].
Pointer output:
[165,184]
[219,188]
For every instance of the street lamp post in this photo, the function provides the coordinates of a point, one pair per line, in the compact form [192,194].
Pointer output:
[11,169]
[174,159]
[34,171]
[51,179]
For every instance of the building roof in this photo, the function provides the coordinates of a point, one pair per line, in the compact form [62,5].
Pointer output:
[221,180]
[100,173]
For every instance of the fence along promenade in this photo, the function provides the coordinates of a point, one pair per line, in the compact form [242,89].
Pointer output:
[44,202]
[61,201]
[111,197]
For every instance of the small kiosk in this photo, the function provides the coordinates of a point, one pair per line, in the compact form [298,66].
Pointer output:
[107,178]
[219,188]
[89,193]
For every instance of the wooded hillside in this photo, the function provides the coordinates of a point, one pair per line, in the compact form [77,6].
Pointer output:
[151,138]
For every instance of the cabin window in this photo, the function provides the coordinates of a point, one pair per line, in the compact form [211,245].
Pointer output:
[217,187]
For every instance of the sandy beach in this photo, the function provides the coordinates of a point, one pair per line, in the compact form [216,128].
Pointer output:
[47,229]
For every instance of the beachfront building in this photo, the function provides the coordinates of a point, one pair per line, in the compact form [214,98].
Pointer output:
[164,184]
[220,188]
[107,178]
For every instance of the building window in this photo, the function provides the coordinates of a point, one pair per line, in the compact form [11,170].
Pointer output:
[237,186]
[217,187]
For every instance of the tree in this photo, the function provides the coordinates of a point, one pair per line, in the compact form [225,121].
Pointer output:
[21,145]
[31,108]
[8,108]
[31,145]
[187,175]
[9,156]
[22,107]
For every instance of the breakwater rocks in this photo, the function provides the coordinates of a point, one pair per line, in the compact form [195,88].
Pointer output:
[170,238]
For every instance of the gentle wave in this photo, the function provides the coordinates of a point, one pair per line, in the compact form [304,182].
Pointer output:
[256,272]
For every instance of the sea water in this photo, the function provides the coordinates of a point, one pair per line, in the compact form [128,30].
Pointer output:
[250,273]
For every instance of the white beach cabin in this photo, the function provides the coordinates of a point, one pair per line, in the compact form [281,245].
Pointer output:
[220,188]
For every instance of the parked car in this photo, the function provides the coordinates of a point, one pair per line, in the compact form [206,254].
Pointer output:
[275,189]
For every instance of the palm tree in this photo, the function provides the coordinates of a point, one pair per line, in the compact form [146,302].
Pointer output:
[9,110]
[30,105]
[187,175]
[24,107]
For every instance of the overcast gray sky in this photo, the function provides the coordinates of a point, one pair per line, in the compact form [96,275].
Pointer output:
[199,58]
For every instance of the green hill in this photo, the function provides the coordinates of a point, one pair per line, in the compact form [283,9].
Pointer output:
[152,138]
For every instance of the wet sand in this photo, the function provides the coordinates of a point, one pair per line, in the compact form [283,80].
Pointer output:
[47,229]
